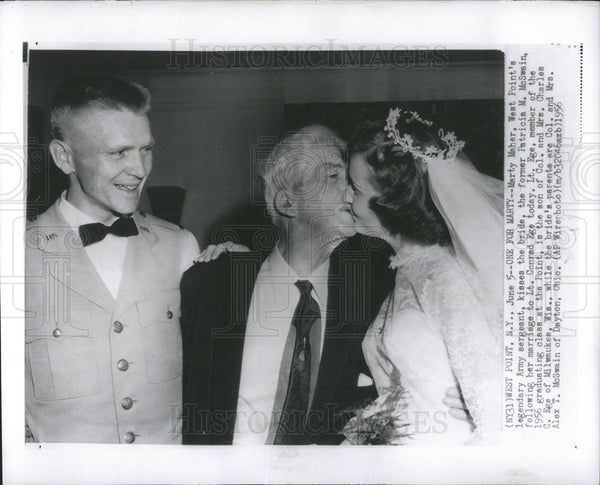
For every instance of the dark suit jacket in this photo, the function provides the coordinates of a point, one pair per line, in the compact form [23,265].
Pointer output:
[215,298]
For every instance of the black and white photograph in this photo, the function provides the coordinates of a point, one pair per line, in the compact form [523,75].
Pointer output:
[318,310]
[295,250]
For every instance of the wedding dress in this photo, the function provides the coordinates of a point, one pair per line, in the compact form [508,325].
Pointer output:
[442,325]
[433,332]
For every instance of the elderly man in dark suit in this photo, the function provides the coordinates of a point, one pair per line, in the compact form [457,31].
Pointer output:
[272,346]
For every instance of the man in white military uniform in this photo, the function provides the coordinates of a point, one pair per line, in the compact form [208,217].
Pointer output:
[102,337]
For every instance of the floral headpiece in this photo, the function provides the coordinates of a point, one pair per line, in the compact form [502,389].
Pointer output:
[406,142]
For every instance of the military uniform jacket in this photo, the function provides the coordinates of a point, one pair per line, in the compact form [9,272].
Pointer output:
[99,369]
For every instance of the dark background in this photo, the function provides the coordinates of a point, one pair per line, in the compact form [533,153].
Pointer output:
[215,115]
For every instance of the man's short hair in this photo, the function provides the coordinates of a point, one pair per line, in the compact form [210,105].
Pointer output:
[281,173]
[96,91]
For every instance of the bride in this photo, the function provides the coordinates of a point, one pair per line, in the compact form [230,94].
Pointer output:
[442,324]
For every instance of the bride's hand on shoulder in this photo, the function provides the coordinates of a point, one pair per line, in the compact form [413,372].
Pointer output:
[458,409]
[213,251]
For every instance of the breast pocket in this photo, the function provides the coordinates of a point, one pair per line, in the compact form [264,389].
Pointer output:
[61,354]
[63,367]
[161,335]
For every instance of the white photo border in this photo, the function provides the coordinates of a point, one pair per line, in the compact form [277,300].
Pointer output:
[150,26]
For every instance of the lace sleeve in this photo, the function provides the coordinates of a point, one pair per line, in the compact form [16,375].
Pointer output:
[474,348]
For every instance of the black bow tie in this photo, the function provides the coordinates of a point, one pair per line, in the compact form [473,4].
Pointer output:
[96,231]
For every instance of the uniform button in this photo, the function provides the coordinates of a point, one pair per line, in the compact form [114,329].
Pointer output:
[126,403]
[122,365]
[117,326]
[169,314]
[57,333]
[129,437]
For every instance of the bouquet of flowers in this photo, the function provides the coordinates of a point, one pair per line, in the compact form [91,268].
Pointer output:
[381,421]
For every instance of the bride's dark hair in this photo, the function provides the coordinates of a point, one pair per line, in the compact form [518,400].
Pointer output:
[404,206]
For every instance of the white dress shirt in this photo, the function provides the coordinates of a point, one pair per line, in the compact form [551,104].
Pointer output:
[107,255]
[272,307]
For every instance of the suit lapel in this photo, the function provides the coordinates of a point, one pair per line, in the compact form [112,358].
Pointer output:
[141,267]
[336,348]
[67,261]
[228,336]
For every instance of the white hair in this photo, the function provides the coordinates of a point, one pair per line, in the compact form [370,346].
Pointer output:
[286,168]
